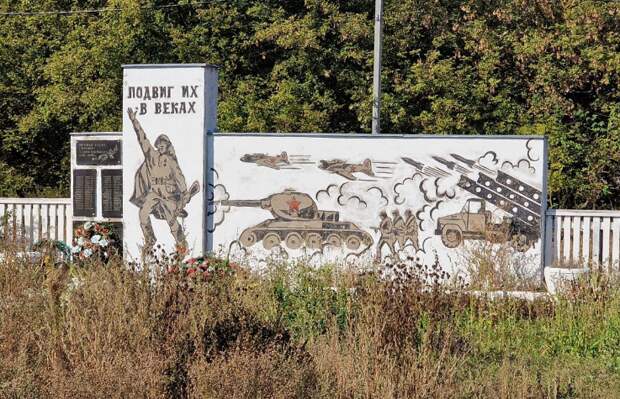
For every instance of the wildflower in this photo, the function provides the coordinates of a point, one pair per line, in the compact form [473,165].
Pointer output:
[80,241]
[103,242]
[181,249]
[76,249]
[88,252]
[88,225]
[95,239]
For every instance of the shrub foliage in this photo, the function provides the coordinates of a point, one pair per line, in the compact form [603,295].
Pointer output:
[450,66]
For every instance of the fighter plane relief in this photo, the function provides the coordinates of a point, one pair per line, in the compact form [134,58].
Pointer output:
[166,111]
[346,169]
[350,198]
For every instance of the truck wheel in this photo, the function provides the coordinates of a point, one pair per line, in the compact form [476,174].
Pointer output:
[520,242]
[451,237]
[496,237]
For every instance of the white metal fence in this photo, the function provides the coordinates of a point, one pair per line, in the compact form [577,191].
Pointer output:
[28,220]
[572,236]
[576,237]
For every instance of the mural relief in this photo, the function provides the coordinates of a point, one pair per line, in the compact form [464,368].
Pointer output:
[160,188]
[423,204]
[274,162]
[296,222]
[346,169]
[277,162]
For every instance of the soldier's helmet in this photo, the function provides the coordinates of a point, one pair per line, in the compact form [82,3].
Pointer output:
[162,138]
[395,212]
[408,212]
[383,214]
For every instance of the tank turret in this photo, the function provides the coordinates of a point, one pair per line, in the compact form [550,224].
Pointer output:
[298,222]
[289,205]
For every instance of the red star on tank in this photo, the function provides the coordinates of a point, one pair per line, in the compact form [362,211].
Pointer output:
[293,206]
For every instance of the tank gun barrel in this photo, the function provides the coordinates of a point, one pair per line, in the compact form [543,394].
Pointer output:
[242,203]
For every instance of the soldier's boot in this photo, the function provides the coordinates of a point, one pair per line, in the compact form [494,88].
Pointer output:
[179,236]
[378,256]
[149,237]
[414,240]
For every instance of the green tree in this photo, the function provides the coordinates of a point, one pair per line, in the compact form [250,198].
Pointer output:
[450,67]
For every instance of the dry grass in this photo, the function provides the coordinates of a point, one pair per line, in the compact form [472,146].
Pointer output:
[499,267]
[294,332]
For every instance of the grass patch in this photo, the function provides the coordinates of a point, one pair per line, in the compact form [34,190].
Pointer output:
[294,331]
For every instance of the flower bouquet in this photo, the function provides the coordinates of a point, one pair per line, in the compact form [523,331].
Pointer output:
[94,241]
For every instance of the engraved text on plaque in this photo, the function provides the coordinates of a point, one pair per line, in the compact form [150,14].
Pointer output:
[112,193]
[84,192]
[98,152]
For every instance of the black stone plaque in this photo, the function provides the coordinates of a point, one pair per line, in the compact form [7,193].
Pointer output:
[84,192]
[117,227]
[112,193]
[98,152]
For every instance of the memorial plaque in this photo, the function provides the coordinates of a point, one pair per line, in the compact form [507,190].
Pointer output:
[112,193]
[84,192]
[98,152]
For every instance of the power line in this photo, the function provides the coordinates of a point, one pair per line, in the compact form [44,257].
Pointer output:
[91,11]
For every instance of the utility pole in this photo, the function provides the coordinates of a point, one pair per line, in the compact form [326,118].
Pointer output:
[376,79]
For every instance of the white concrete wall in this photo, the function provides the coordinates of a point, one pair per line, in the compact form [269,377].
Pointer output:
[427,186]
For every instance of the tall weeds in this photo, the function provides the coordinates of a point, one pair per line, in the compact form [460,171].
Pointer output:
[295,332]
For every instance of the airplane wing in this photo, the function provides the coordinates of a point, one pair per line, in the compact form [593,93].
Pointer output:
[268,164]
[345,174]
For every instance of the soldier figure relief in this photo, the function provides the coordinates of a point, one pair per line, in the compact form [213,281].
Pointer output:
[160,188]
[396,230]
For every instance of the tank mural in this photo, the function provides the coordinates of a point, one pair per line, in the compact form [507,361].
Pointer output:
[385,199]
[296,222]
